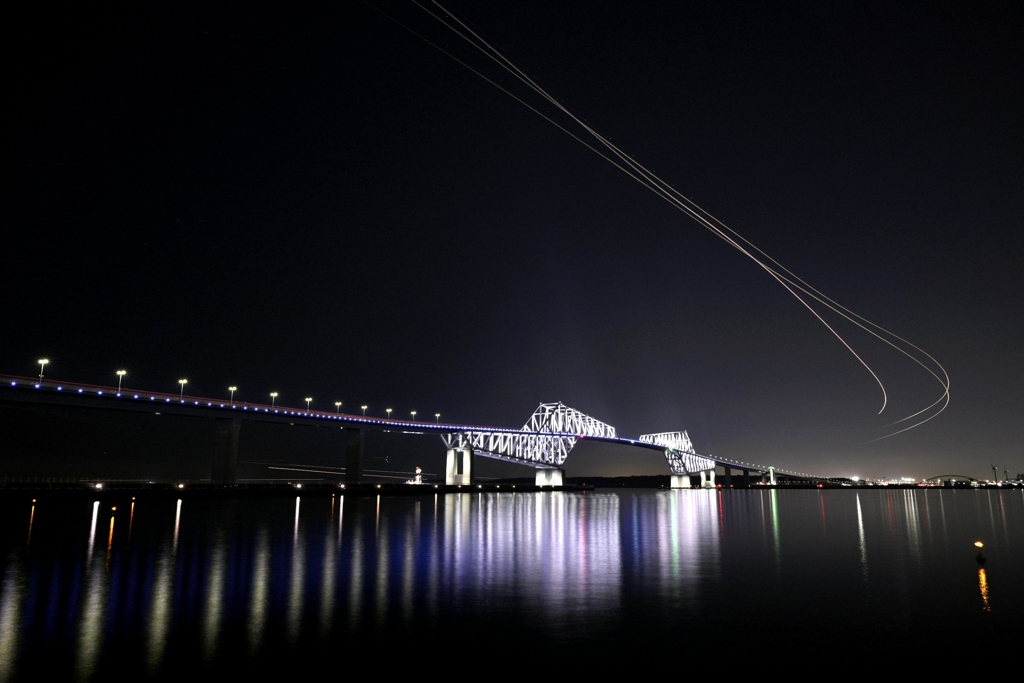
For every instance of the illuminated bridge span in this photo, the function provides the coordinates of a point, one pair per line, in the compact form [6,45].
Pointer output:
[543,443]
[682,459]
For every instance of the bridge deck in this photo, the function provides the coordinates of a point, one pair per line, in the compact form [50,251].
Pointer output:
[75,394]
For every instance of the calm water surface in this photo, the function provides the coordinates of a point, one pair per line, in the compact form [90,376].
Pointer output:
[161,586]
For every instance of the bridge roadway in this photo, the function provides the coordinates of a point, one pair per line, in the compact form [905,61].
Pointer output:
[230,414]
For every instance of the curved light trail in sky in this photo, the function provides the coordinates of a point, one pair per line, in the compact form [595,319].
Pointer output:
[797,287]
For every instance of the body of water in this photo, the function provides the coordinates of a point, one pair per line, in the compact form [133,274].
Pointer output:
[159,586]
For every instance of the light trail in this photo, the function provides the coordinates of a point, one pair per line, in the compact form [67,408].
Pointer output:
[381,476]
[625,163]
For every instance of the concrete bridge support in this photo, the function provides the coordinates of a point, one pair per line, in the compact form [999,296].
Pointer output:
[704,479]
[680,481]
[459,467]
[225,450]
[727,477]
[354,446]
[550,478]
[746,478]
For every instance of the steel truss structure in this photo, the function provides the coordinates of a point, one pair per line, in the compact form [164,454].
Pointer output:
[682,458]
[544,441]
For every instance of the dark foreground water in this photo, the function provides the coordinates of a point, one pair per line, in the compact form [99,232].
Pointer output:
[163,587]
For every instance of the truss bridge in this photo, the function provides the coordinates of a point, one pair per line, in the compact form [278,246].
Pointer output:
[544,443]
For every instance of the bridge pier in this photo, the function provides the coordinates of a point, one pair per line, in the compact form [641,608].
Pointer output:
[452,475]
[680,481]
[727,477]
[225,450]
[550,478]
[707,479]
[354,448]
[746,478]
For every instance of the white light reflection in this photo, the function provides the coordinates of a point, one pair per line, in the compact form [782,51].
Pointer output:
[92,533]
[10,616]
[434,572]
[177,523]
[381,593]
[355,592]
[90,624]
[913,523]
[562,549]
[297,581]
[863,546]
[214,611]
[160,611]
[327,581]
[409,562]
[260,592]
[687,525]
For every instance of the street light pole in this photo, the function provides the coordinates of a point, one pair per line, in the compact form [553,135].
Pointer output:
[232,390]
[308,400]
[42,363]
[337,404]
[414,416]
[437,417]
[273,398]
[120,376]
[364,410]
[388,411]
[182,382]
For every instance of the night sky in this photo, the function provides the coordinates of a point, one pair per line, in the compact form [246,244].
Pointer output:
[317,202]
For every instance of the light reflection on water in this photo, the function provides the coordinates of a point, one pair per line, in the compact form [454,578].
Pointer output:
[207,581]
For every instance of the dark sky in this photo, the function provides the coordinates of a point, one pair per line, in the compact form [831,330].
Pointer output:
[314,201]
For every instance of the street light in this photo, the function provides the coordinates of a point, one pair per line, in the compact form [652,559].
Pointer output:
[388,411]
[42,362]
[273,398]
[232,390]
[120,376]
[182,382]
[414,416]
[364,410]
[437,417]
[307,404]
[337,404]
